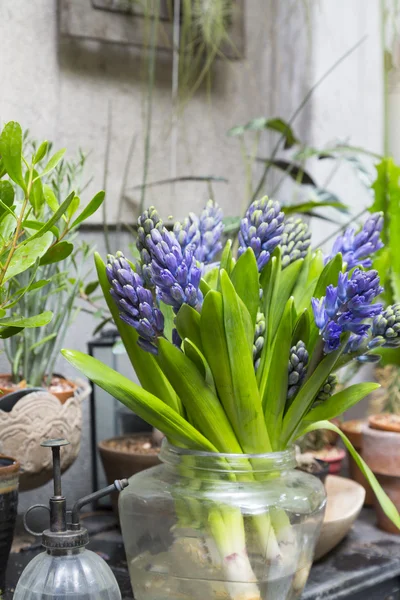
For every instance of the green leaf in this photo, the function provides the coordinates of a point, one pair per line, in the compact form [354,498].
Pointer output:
[209,280]
[53,162]
[247,417]
[392,222]
[57,215]
[169,319]
[36,321]
[293,170]
[6,196]
[144,364]
[37,225]
[91,287]
[306,396]
[36,197]
[43,341]
[50,197]
[73,207]
[200,402]
[387,505]
[187,323]
[146,405]
[269,281]
[198,358]
[276,124]
[57,253]
[26,254]
[305,207]
[7,332]
[91,208]
[215,350]
[287,281]
[41,152]
[227,262]
[337,404]
[302,328]
[11,152]
[246,282]
[274,398]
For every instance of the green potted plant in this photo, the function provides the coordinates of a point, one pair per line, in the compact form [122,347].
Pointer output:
[25,239]
[226,513]
[37,278]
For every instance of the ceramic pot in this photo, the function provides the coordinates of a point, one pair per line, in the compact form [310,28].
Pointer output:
[198,526]
[9,473]
[345,500]
[37,416]
[353,430]
[119,463]
[333,456]
[381,452]
[55,389]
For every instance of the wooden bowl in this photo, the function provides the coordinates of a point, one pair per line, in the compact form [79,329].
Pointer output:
[345,499]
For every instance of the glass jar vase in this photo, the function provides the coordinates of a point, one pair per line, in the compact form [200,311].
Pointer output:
[221,526]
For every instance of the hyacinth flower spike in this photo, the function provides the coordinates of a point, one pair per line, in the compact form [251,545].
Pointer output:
[172,270]
[261,230]
[202,233]
[345,307]
[135,302]
[356,249]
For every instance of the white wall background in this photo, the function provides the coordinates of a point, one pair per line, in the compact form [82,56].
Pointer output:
[60,89]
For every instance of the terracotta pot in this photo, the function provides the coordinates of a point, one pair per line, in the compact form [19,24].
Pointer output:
[381,452]
[9,473]
[353,430]
[119,464]
[331,455]
[62,395]
[33,418]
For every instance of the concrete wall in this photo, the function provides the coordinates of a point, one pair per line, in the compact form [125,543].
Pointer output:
[61,89]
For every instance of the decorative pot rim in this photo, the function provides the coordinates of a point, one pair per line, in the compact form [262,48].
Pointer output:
[11,469]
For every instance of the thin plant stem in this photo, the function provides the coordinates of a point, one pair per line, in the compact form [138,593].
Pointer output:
[149,111]
[105,174]
[175,87]
[128,161]
[341,228]
[299,109]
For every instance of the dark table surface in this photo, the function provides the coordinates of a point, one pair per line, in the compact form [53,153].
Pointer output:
[365,566]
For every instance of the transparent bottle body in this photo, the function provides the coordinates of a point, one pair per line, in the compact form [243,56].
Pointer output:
[79,574]
[221,527]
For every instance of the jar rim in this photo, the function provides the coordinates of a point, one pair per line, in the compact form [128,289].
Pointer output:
[220,461]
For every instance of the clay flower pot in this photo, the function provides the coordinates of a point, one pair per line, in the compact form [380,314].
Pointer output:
[381,452]
[9,473]
[126,455]
[353,430]
[333,456]
[36,416]
[60,387]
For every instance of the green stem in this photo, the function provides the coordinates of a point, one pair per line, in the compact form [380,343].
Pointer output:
[149,112]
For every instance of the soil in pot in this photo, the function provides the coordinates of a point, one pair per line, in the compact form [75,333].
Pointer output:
[381,452]
[332,455]
[9,473]
[60,387]
[353,430]
[126,455]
